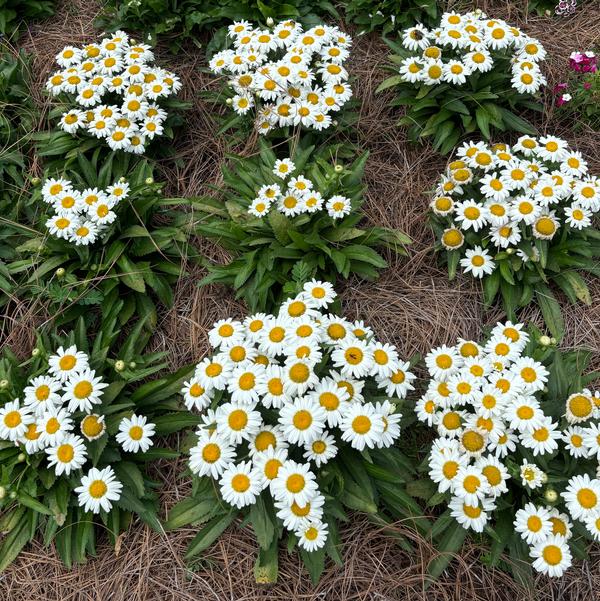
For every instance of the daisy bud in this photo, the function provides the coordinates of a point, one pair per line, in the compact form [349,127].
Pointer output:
[35,181]
[510,251]
[12,494]
[229,101]
[149,181]
[544,477]
[21,457]
[545,340]
[334,122]
[119,365]
[3,384]
[2,492]
[553,340]
[270,22]
[60,272]
[94,266]
[132,365]
[550,495]
[35,352]
[122,180]
[338,168]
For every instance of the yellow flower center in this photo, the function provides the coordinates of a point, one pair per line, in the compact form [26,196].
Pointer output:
[65,453]
[211,452]
[302,419]
[361,424]
[237,420]
[136,433]
[97,489]
[83,389]
[240,483]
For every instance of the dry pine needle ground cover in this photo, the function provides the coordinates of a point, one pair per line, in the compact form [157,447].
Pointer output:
[412,305]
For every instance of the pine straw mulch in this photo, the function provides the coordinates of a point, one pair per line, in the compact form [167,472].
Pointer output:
[412,305]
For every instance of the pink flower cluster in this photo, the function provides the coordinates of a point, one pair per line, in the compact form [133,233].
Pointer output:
[583,62]
[580,62]
[565,7]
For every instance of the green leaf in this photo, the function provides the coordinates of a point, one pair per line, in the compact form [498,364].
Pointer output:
[262,517]
[209,533]
[550,310]
[131,274]
[448,546]
[190,511]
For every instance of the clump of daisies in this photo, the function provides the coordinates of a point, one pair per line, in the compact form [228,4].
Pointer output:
[510,212]
[289,75]
[300,195]
[57,419]
[499,434]
[116,89]
[467,74]
[283,397]
[81,217]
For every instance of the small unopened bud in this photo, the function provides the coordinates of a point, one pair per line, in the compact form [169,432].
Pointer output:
[510,251]
[270,22]
[229,101]
[544,477]
[93,266]
[334,122]
[35,181]
[132,365]
[21,457]
[149,180]
[3,384]
[60,272]
[35,352]
[545,340]
[12,494]
[338,168]
[122,180]
[119,365]
[2,492]
[552,340]
[550,495]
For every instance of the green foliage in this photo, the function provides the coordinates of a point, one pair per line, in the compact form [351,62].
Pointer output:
[486,104]
[38,503]
[138,259]
[387,15]
[13,13]
[17,120]
[273,256]
[190,18]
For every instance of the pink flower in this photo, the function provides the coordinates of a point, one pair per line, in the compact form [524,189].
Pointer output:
[560,87]
[587,85]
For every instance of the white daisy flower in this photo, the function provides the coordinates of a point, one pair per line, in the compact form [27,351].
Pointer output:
[98,489]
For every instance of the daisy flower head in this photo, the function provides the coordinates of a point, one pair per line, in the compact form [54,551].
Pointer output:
[14,420]
[83,390]
[98,490]
[135,434]
[362,426]
[533,523]
[211,455]
[67,455]
[66,362]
